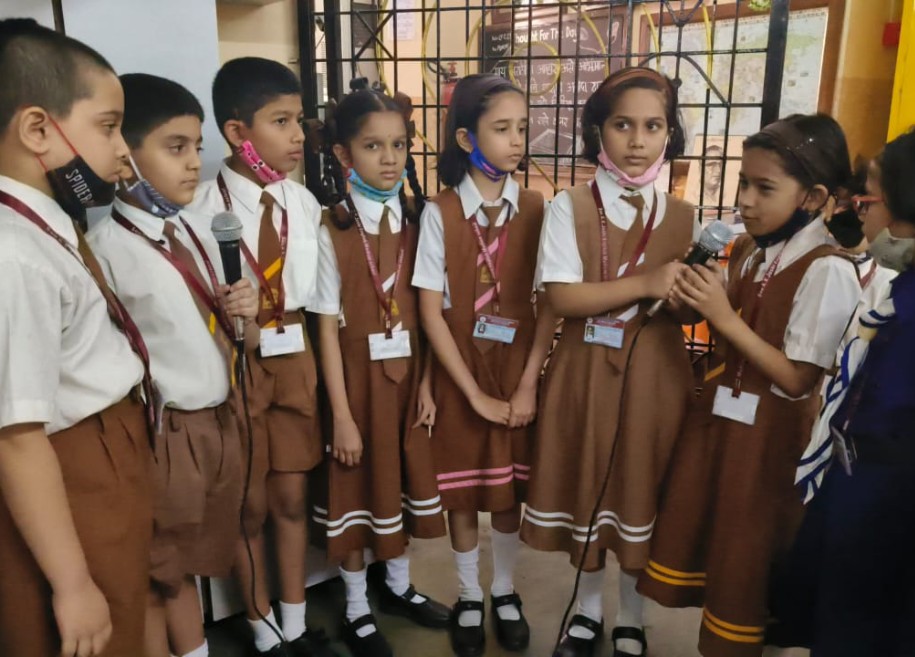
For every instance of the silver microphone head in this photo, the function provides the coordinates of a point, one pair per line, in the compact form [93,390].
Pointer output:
[226,227]
[715,236]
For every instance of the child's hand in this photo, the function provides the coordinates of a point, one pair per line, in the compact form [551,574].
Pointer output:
[241,299]
[659,282]
[425,412]
[83,620]
[702,290]
[490,408]
[347,442]
[523,406]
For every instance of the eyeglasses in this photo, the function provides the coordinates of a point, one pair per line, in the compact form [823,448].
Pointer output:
[863,202]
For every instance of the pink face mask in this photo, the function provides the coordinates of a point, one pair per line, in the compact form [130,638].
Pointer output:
[648,176]
[260,168]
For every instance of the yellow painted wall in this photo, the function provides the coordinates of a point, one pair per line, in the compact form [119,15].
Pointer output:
[269,31]
[902,113]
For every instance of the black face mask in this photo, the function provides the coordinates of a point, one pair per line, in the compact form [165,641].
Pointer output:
[76,186]
[794,225]
[847,228]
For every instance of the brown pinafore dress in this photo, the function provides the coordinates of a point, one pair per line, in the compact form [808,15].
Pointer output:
[580,407]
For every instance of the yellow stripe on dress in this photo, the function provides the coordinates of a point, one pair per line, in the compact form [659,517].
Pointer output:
[674,577]
[732,632]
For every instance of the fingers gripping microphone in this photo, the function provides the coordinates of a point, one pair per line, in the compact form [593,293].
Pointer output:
[712,239]
[227,230]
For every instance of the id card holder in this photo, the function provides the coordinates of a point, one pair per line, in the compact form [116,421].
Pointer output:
[383,348]
[740,409]
[291,341]
[605,331]
[497,329]
[844,449]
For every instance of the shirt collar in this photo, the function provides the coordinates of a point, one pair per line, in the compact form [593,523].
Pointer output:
[44,206]
[610,189]
[247,192]
[472,200]
[149,224]
[370,212]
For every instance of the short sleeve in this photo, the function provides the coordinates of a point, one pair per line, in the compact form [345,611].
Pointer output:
[823,304]
[429,270]
[327,298]
[30,305]
[558,258]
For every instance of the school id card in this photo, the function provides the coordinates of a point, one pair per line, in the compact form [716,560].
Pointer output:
[497,329]
[741,408]
[381,347]
[290,341]
[605,331]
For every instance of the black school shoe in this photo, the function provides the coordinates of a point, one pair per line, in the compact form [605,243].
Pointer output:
[371,645]
[513,635]
[573,646]
[427,613]
[634,633]
[314,643]
[467,641]
[279,650]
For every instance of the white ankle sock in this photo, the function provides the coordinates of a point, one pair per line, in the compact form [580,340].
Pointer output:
[630,612]
[357,599]
[504,557]
[293,618]
[397,575]
[468,567]
[199,651]
[590,602]
[264,635]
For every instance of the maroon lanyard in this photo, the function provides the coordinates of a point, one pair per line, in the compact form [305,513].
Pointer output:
[193,283]
[604,240]
[754,315]
[116,310]
[386,300]
[869,276]
[494,266]
[278,303]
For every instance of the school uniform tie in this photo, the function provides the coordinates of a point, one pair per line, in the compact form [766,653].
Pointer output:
[269,259]
[388,247]
[124,322]
[485,286]
[186,258]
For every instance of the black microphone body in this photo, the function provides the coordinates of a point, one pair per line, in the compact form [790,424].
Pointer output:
[227,228]
[715,237]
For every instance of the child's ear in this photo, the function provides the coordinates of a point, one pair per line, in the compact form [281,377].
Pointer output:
[235,132]
[342,154]
[817,197]
[463,140]
[35,131]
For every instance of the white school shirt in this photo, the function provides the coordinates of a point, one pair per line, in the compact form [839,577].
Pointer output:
[431,271]
[328,300]
[61,357]
[559,260]
[300,271]
[824,300]
[187,366]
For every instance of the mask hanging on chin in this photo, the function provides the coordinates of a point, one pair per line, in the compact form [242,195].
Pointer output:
[255,162]
[147,196]
[794,225]
[479,161]
[75,185]
[896,253]
[633,182]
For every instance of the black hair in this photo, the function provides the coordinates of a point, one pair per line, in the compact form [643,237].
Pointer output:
[344,121]
[151,101]
[40,67]
[602,103]
[471,99]
[244,85]
[897,170]
[812,149]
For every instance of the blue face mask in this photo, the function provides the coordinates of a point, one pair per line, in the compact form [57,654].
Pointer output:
[380,195]
[478,160]
[147,196]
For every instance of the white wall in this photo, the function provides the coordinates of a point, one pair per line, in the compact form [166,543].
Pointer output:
[40,10]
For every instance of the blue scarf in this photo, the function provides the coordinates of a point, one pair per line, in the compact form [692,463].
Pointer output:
[380,195]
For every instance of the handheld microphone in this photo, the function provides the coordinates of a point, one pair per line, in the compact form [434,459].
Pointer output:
[227,229]
[713,238]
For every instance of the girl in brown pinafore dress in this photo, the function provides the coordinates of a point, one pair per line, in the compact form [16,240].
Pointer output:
[730,508]
[475,267]
[608,251]
[380,487]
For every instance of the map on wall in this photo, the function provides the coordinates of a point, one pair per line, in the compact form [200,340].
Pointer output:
[800,85]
